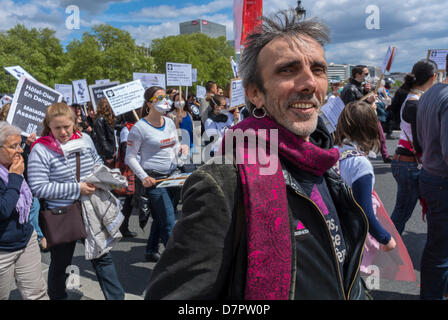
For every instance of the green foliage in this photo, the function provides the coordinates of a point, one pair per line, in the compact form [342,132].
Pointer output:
[211,56]
[106,52]
[397,83]
[37,51]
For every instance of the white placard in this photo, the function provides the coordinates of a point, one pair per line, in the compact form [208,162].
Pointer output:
[150,79]
[17,72]
[177,180]
[125,97]
[237,96]
[439,57]
[194,75]
[67,92]
[178,74]
[200,92]
[96,91]
[30,102]
[103,81]
[332,109]
[81,91]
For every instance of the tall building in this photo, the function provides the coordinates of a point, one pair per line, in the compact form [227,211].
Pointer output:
[213,30]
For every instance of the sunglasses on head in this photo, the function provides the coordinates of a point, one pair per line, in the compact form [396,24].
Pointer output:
[159,98]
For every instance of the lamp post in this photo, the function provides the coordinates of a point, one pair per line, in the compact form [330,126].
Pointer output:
[301,12]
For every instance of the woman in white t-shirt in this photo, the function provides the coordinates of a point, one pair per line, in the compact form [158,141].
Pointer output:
[155,139]
[219,120]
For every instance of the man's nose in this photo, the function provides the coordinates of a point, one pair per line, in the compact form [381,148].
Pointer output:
[306,81]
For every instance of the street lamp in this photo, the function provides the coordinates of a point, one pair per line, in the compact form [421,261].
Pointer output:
[301,12]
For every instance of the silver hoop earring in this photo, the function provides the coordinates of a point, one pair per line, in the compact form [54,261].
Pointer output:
[258,116]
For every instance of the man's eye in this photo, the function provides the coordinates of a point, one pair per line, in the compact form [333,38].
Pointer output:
[286,70]
[319,70]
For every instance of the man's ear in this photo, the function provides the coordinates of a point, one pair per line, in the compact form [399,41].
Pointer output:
[255,96]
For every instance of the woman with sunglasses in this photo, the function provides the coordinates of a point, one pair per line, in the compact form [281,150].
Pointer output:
[152,153]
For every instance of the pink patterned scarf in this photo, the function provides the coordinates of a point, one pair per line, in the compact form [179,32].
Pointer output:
[266,206]
[51,143]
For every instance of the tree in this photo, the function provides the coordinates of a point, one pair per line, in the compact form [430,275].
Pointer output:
[37,51]
[211,56]
[106,53]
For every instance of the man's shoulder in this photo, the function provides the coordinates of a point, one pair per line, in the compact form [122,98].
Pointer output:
[223,176]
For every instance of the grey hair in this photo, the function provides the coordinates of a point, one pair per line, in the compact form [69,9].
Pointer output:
[284,24]
[7,130]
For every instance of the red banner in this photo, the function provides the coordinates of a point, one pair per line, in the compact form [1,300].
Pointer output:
[252,12]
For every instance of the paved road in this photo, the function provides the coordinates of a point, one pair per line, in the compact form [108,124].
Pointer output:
[134,272]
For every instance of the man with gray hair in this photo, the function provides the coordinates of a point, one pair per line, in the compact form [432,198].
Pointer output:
[293,233]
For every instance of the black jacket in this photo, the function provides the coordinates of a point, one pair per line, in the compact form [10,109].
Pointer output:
[104,138]
[206,257]
[352,91]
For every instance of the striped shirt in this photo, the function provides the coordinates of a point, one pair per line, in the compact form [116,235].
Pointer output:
[52,176]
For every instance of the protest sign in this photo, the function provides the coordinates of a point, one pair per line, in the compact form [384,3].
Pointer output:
[67,92]
[194,75]
[96,91]
[81,91]
[103,81]
[439,57]
[178,74]
[31,100]
[17,72]
[150,79]
[332,109]
[200,92]
[176,180]
[237,96]
[125,97]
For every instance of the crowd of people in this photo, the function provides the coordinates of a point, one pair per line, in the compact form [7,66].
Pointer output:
[297,233]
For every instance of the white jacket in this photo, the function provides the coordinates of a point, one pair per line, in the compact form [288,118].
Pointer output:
[101,212]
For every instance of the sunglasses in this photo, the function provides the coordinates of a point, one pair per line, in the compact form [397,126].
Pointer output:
[159,98]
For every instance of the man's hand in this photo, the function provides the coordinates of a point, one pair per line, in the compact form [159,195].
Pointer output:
[149,182]
[367,87]
[17,166]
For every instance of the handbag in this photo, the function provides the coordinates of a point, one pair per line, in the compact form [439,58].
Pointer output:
[130,177]
[63,224]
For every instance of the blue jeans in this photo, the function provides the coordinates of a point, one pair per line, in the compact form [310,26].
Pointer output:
[34,218]
[434,265]
[61,258]
[406,174]
[162,209]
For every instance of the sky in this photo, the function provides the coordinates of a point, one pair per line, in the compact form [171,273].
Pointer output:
[358,34]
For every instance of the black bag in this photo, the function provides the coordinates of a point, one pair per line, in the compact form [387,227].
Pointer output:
[63,224]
